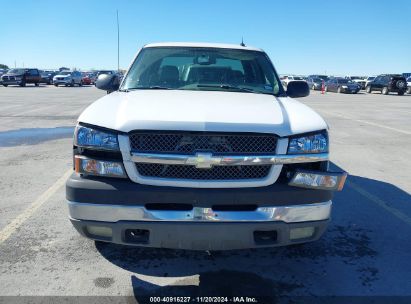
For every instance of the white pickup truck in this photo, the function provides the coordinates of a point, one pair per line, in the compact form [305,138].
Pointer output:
[200,147]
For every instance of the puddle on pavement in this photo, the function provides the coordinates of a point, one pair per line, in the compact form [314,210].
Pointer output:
[33,136]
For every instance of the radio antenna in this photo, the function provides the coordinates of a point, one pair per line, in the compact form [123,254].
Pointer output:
[242,42]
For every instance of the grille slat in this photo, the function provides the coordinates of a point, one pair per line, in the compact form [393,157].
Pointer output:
[215,173]
[191,142]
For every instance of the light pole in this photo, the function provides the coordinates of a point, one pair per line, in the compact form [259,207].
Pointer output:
[118,45]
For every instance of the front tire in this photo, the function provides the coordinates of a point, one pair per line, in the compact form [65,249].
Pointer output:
[23,84]
[384,91]
[5,85]
[401,93]
[36,84]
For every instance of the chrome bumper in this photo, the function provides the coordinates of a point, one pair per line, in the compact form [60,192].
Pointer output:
[115,213]
[10,82]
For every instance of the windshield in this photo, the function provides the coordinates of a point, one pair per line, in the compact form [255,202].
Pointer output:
[202,69]
[344,81]
[298,78]
[16,71]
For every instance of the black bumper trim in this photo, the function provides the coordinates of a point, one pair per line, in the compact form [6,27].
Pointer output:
[125,192]
[202,236]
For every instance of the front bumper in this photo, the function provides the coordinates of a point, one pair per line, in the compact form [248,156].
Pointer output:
[350,90]
[201,236]
[210,219]
[11,82]
[62,81]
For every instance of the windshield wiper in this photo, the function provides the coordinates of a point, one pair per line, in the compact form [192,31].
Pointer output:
[231,87]
[150,88]
[226,87]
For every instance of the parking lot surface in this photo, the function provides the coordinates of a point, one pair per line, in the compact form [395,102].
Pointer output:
[365,252]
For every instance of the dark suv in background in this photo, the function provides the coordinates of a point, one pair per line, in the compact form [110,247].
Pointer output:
[388,83]
[47,76]
[21,77]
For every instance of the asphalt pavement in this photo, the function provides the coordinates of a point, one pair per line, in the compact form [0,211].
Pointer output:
[365,252]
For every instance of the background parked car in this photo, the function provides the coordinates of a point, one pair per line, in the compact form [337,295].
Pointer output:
[47,76]
[109,72]
[93,78]
[314,83]
[323,77]
[287,79]
[368,80]
[342,85]
[86,79]
[2,72]
[388,83]
[409,85]
[358,79]
[68,78]
[21,77]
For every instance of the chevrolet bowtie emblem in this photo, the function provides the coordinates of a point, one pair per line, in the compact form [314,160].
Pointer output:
[203,160]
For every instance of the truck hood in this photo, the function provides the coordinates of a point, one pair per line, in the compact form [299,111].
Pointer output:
[202,111]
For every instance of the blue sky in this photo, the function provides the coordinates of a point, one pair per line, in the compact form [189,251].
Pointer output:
[308,36]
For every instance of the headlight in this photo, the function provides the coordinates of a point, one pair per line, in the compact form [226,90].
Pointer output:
[88,166]
[344,87]
[311,143]
[87,137]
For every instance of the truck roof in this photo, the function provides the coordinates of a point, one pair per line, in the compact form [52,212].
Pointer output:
[203,44]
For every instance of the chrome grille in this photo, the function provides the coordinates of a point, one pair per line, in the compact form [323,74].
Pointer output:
[192,142]
[193,173]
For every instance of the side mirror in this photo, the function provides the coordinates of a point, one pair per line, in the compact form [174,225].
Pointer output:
[298,88]
[109,83]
